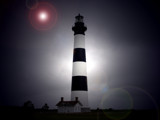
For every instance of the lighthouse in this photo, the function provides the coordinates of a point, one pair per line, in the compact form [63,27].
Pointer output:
[79,87]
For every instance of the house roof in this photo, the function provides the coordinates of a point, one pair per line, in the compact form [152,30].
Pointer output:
[68,103]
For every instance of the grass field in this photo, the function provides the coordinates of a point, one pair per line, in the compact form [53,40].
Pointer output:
[107,115]
[20,114]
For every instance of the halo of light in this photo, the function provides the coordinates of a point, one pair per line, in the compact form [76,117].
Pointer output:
[43,17]
[148,97]
[31,4]
[119,98]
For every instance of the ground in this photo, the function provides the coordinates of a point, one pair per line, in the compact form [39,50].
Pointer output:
[113,115]
[21,114]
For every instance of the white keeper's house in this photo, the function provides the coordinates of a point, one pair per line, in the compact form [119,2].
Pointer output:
[69,106]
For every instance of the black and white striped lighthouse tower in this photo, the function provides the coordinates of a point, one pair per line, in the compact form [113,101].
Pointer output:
[79,74]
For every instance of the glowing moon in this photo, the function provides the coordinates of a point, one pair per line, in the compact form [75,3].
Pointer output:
[43,16]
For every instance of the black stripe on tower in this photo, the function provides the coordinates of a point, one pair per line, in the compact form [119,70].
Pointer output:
[79,83]
[79,28]
[79,54]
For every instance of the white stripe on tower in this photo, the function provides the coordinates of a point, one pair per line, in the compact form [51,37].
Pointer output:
[79,74]
[79,41]
[79,69]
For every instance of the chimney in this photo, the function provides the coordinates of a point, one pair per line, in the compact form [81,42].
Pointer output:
[76,98]
[61,98]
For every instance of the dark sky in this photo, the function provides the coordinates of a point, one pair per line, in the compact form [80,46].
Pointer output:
[122,45]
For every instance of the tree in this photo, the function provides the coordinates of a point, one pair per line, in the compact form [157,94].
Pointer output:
[28,105]
[45,107]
